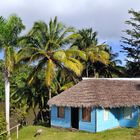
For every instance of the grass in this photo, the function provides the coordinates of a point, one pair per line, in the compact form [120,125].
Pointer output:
[27,133]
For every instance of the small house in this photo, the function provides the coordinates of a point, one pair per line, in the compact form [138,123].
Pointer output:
[95,105]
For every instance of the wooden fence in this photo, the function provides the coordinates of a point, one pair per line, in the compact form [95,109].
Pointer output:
[17,131]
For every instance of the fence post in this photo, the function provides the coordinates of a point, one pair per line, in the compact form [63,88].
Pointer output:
[17,130]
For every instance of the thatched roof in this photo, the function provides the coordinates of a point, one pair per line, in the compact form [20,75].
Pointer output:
[100,93]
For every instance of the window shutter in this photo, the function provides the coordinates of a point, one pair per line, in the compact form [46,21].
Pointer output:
[86,114]
[60,112]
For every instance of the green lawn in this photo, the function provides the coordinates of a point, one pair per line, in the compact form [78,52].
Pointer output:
[27,133]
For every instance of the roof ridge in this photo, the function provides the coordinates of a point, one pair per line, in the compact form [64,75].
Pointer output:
[127,79]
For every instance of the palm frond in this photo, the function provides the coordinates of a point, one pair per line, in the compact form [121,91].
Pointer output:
[72,52]
[36,69]
[70,38]
[67,86]
[67,31]
[74,65]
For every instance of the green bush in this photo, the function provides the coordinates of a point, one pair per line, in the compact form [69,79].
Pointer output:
[2,127]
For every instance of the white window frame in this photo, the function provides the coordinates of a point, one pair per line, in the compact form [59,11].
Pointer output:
[106,114]
[127,113]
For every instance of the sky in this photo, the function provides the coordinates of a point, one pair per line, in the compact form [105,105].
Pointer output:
[107,17]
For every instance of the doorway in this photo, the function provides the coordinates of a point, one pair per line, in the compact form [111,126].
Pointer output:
[75,117]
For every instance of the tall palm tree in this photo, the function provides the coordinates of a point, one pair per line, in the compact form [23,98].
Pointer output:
[113,69]
[88,37]
[9,33]
[47,46]
[95,52]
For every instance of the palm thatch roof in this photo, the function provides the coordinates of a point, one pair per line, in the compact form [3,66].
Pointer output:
[104,93]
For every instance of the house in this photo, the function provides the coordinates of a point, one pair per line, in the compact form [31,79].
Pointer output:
[95,105]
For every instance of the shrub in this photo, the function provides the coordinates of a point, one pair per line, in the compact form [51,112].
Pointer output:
[2,126]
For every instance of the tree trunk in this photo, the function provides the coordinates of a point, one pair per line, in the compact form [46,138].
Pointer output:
[34,112]
[87,70]
[7,102]
[50,95]
[41,114]
[94,73]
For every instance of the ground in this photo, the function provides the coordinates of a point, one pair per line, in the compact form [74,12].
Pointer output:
[27,133]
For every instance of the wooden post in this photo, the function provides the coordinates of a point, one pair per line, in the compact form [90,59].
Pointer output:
[17,131]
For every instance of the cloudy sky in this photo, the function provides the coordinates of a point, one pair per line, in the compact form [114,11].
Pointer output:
[107,17]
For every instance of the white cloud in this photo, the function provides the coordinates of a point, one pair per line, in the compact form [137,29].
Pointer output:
[105,16]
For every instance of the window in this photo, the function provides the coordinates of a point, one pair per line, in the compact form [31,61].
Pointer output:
[127,113]
[106,114]
[86,114]
[60,112]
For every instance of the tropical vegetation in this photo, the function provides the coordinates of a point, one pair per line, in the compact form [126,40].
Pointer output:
[9,32]
[51,58]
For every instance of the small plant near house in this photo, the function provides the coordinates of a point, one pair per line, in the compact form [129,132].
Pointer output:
[2,127]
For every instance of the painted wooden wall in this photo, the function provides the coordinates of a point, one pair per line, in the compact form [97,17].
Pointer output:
[129,122]
[61,122]
[112,122]
[87,126]
[97,123]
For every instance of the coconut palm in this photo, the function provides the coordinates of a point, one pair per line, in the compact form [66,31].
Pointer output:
[95,52]
[88,37]
[9,33]
[47,46]
[113,69]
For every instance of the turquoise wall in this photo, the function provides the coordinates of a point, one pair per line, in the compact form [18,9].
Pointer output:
[129,122]
[87,126]
[61,122]
[113,119]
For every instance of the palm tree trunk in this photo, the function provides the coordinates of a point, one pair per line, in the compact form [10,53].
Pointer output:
[87,70]
[94,72]
[50,95]
[41,114]
[34,112]
[7,101]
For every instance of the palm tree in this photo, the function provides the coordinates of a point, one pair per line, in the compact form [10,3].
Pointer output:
[95,52]
[113,69]
[62,81]
[9,33]
[47,46]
